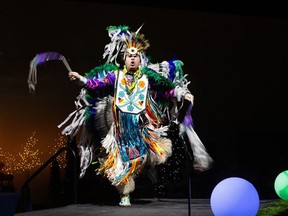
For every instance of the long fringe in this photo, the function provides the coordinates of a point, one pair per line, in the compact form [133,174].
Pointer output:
[78,116]
[202,160]
[113,167]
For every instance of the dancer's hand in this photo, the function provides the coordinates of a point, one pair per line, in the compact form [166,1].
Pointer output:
[189,97]
[74,76]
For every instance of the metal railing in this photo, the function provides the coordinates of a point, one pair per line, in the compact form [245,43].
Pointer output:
[25,190]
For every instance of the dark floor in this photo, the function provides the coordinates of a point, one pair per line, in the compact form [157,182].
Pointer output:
[153,207]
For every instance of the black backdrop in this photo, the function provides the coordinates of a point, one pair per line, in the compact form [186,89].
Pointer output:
[236,61]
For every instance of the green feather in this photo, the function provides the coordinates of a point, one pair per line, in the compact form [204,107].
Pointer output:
[157,79]
[158,82]
[99,70]
[123,28]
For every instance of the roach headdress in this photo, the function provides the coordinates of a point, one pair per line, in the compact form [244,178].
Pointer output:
[123,42]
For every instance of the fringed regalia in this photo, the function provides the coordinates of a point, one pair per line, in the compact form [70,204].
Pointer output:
[128,120]
[132,126]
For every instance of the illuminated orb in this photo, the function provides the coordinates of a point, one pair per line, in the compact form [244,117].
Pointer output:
[281,185]
[234,197]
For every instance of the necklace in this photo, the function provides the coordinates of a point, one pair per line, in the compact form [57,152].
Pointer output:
[131,79]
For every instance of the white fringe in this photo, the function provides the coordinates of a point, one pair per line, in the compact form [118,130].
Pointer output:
[161,68]
[87,147]
[181,90]
[86,157]
[110,144]
[79,116]
[103,121]
[202,160]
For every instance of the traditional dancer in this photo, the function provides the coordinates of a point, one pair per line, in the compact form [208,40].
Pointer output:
[126,111]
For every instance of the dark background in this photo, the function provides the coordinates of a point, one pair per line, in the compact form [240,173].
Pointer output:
[235,56]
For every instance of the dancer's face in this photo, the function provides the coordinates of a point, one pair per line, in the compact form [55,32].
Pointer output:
[132,62]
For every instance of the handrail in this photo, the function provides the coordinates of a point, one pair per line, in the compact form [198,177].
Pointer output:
[53,157]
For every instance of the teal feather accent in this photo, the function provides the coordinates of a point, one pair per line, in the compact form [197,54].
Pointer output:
[178,68]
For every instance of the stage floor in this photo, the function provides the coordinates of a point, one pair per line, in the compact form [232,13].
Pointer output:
[155,207]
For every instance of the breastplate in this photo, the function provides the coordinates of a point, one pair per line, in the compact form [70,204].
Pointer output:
[134,101]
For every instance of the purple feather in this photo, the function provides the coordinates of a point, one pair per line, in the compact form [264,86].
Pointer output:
[41,58]
[188,118]
[46,56]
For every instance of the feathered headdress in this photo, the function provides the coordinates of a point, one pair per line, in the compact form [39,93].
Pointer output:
[123,41]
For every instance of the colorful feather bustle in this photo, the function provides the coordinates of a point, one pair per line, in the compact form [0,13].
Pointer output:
[41,58]
[161,147]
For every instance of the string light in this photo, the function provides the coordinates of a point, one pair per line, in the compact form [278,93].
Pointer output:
[26,160]
[9,162]
[29,157]
[59,143]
